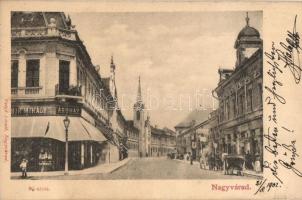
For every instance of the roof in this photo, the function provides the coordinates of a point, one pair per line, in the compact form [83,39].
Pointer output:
[169,131]
[165,131]
[248,31]
[39,19]
[157,131]
[196,115]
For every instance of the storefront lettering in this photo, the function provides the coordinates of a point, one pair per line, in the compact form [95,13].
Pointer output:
[69,110]
[35,110]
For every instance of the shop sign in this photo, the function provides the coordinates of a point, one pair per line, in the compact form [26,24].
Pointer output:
[70,110]
[30,110]
[42,110]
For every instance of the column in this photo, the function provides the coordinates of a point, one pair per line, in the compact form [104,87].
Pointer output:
[22,70]
[245,97]
[51,67]
[43,75]
[73,72]
[237,144]
[91,155]
[82,154]
[247,147]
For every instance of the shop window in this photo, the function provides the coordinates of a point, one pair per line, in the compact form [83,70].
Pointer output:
[14,73]
[32,73]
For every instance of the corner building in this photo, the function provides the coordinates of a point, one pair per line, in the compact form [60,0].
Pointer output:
[52,76]
[239,129]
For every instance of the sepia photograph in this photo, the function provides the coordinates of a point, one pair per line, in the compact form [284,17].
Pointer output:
[136,95]
[150,99]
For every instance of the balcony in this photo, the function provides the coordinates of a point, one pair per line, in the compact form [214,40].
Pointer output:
[26,91]
[72,92]
[43,32]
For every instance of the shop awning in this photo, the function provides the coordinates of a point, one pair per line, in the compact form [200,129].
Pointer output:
[53,127]
[93,131]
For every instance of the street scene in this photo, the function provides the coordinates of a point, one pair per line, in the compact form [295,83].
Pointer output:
[146,168]
[136,95]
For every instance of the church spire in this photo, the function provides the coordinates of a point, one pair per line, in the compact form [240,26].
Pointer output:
[247,19]
[112,65]
[139,91]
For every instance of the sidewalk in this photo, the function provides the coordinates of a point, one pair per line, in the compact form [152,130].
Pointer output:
[98,169]
[254,174]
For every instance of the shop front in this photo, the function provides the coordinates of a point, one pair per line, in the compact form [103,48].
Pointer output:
[41,140]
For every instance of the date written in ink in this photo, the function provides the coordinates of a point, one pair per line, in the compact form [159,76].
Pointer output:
[38,188]
[265,186]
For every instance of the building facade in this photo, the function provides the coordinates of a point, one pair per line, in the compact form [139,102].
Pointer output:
[239,128]
[187,127]
[163,141]
[141,121]
[52,76]
[152,141]
[194,140]
[132,139]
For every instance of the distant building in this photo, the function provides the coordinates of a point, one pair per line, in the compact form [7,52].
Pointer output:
[163,141]
[141,121]
[152,141]
[239,128]
[186,129]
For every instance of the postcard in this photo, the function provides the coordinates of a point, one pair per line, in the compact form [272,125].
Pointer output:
[150,100]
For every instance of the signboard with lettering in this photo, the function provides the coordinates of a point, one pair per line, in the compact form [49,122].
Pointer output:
[45,110]
[31,110]
[70,110]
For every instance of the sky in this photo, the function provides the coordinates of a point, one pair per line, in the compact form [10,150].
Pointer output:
[176,54]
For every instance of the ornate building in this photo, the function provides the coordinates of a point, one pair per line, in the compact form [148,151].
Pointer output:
[239,126]
[52,76]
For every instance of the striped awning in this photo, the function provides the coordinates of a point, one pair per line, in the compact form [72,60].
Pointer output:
[53,127]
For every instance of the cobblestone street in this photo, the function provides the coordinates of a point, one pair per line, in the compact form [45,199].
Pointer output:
[152,168]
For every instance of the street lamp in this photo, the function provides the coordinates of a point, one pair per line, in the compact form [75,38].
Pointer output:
[66,124]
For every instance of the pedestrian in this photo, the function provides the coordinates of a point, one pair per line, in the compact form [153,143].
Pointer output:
[257,165]
[23,167]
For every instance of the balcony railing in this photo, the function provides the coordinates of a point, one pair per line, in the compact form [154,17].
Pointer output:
[25,91]
[70,91]
[43,32]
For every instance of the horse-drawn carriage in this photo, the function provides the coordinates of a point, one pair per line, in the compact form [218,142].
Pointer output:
[233,165]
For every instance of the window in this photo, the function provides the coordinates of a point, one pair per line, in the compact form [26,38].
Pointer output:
[63,76]
[241,104]
[234,106]
[249,100]
[227,109]
[260,93]
[32,73]
[14,73]
[138,115]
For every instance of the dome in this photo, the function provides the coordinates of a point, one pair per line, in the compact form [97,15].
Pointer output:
[248,31]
